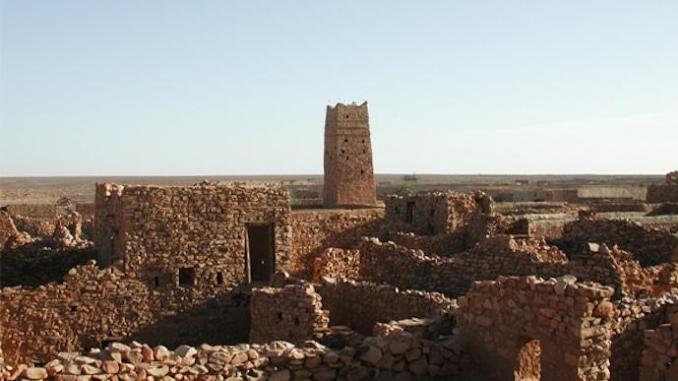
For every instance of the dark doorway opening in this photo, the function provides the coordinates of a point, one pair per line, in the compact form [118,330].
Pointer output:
[260,252]
[409,213]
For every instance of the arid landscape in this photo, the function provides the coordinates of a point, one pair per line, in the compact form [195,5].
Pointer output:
[345,276]
[338,191]
[46,190]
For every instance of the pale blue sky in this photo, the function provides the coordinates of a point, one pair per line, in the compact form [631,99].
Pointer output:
[240,87]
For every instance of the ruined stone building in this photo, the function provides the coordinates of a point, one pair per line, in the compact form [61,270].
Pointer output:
[231,282]
[349,173]
[219,234]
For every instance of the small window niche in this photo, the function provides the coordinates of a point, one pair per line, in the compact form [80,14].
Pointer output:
[186,276]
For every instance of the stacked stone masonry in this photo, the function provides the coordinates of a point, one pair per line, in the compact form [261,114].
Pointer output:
[160,232]
[530,328]
[361,305]
[650,246]
[292,313]
[349,172]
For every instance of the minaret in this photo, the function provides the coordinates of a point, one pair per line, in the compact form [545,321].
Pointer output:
[349,173]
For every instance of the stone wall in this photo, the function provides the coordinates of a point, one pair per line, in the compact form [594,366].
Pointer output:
[158,231]
[349,172]
[650,246]
[526,327]
[400,355]
[293,313]
[92,306]
[337,263]
[7,228]
[430,213]
[48,211]
[35,264]
[315,230]
[360,305]
[501,255]
[632,317]
[662,193]
[660,353]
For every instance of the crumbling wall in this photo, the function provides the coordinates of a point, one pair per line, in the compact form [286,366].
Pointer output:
[315,230]
[631,318]
[108,223]
[439,244]
[34,264]
[662,193]
[386,262]
[200,228]
[292,313]
[360,305]
[660,343]
[400,355]
[430,213]
[649,246]
[7,228]
[564,324]
[94,305]
[337,263]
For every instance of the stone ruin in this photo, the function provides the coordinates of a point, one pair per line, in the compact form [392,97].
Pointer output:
[229,282]
[672,178]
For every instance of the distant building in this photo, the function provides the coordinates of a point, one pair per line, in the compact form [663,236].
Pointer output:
[349,173]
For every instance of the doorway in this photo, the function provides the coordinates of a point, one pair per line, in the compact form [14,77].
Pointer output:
[409,212]
[260,259]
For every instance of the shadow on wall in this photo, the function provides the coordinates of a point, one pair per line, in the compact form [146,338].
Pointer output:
[35,265]
[95,306]
[223,320]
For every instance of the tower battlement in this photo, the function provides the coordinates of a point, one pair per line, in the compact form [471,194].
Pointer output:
[349,172]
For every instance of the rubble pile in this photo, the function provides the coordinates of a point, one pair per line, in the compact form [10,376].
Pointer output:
[398,356]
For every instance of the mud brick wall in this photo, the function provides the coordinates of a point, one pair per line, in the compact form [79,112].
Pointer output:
[94,305]
[202,228]
[349,173]
[662,193]
[660,356]
[548,329]
[315,230]
[292,313]
[360,305]
[649,246]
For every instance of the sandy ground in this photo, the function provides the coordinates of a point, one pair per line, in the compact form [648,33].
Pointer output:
[42,190]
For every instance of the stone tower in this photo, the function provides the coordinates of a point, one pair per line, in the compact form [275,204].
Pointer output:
[349,174]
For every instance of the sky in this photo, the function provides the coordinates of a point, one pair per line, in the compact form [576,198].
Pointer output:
[130,87]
